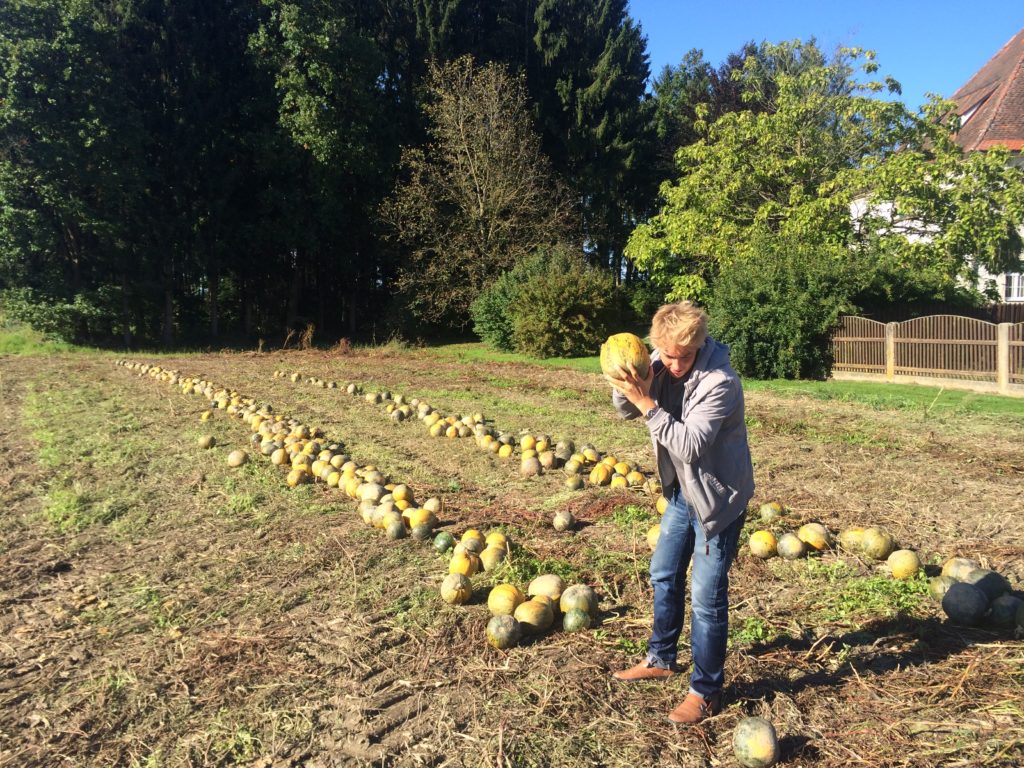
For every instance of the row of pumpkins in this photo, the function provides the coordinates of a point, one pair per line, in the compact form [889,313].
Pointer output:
[968,593]
[387,506]
[287,442]
[390,506]
[539,453]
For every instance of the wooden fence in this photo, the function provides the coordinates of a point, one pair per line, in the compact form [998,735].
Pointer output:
[949,349]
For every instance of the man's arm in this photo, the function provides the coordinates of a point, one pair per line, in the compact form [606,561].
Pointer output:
[689,440]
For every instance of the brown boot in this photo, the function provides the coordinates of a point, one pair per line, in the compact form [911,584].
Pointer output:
[643,671]
[695,708]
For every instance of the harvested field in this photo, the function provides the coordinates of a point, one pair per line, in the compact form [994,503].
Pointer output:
[160,608]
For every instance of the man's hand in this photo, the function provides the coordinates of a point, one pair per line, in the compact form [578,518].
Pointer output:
[634,388]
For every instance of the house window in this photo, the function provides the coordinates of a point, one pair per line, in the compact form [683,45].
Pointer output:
[1014,286]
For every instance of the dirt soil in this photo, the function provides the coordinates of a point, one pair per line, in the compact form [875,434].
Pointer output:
[159,608]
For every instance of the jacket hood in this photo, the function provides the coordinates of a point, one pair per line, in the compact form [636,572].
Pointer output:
[713,354]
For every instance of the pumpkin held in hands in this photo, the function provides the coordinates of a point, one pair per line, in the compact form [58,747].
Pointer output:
[623,350]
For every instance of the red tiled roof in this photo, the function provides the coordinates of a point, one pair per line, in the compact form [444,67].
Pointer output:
[991,104]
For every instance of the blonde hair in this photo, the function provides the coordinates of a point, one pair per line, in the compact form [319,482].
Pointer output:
[683,324]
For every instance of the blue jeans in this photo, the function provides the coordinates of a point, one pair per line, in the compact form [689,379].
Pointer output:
[682,540]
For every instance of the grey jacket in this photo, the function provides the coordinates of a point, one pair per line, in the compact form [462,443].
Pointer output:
[708,445]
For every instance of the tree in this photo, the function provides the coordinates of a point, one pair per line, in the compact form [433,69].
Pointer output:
[477,198]
[693,94]
[596,117]
[794,171]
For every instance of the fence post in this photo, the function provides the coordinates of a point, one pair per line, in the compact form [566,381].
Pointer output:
[1003,358]
[890,351]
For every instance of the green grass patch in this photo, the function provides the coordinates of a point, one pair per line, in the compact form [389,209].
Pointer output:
[92,469]
[755,630]
[631,517]
[481,353]
[841,595]
[19,339]
[925,400]
[523,566]
[415,608]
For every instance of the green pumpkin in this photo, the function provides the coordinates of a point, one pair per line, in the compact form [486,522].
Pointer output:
[443,542]
[755,743]
[991,583]
[396,529]
[576,620]
[939,585]
[1004,610]
[578,596]
[965,603]
[503,632]
[422,532]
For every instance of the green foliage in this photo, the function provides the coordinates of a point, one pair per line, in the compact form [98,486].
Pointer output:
[57,320]
[591,93]
[644,298]
[841,595]
[492,309]
[833,165]
[550,305]
[632,516]
[778,306]
[522,566]
[19,339]
[632,647]
[565,311]
[754,630]
[476,200]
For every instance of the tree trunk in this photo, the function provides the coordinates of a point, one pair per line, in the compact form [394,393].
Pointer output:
[126,327]
[353,296]
[321,298]
[247,310]
[167,329]
[214,279]
[294,293]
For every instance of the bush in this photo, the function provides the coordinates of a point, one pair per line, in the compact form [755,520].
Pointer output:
[492,309]
[57,319]
[566,310]
[778,308]
[645,297]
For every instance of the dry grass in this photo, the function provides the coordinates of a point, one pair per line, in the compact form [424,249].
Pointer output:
[207,616]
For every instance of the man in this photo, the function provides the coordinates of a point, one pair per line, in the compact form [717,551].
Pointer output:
[692,402]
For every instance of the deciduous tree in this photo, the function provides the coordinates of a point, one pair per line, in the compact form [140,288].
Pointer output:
[477,198]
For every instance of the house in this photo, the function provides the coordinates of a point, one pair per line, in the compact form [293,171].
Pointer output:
[991,109]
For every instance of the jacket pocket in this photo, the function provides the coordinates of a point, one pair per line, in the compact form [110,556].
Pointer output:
[706,493]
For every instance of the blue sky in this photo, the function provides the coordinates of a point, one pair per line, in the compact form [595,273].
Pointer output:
[927,46]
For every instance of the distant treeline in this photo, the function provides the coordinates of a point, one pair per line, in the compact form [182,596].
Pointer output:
[185,171]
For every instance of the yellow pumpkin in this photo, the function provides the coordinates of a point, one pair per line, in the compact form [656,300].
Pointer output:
[504,599]
[456,589]
[763,544]
[904,564]
[601,474]
[492,557]
[548,584]
[465,562]
[815,535]
[653,534]
[496,539]
[622,350]
[535,616]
